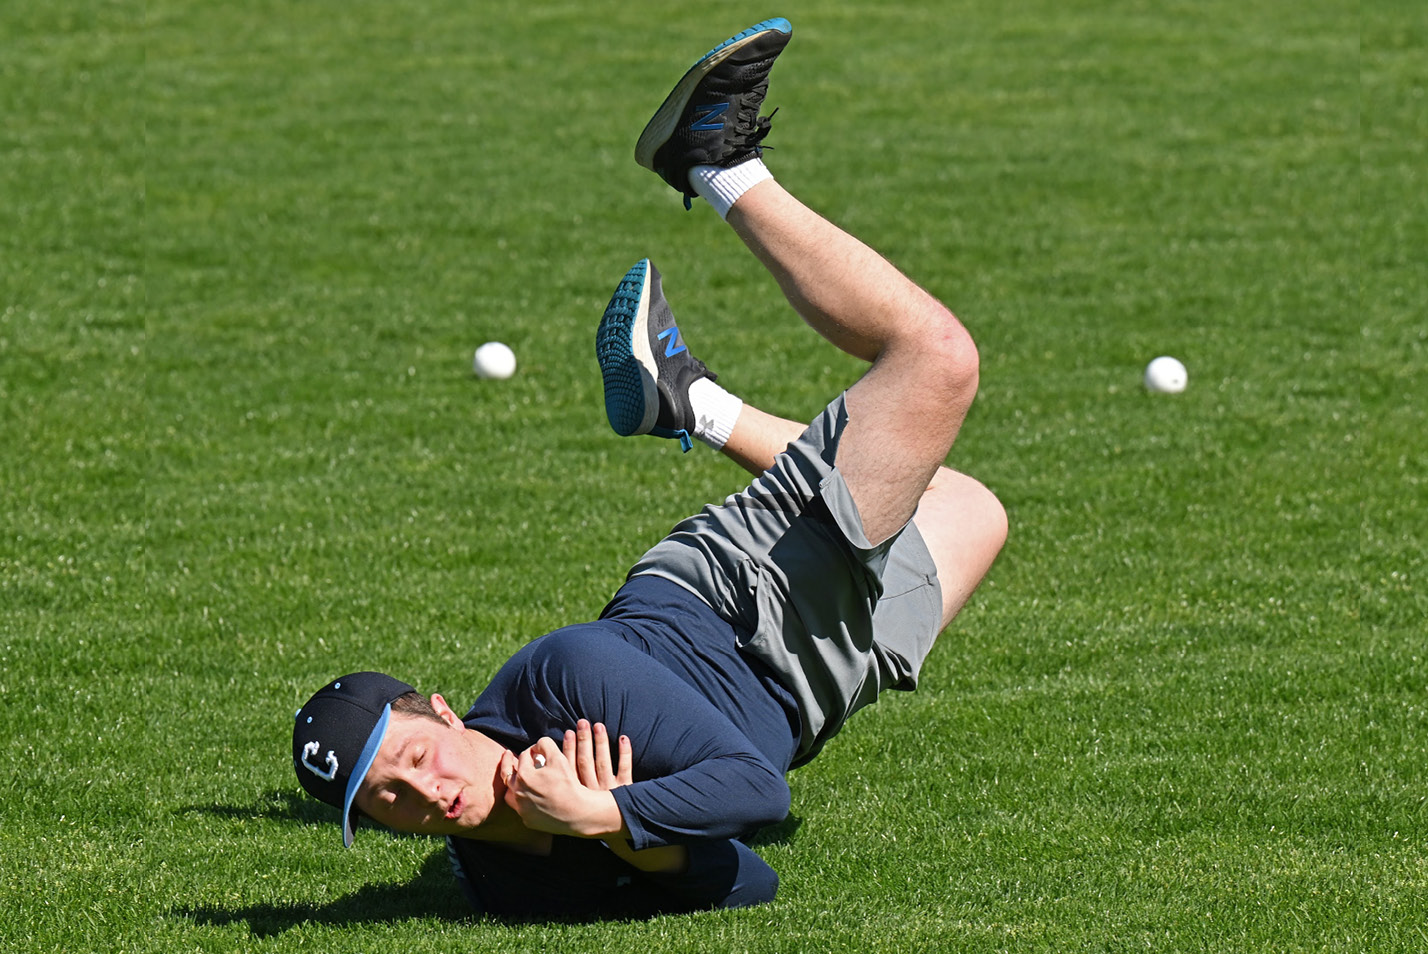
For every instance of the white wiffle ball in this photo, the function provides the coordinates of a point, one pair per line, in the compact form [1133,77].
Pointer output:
[494,360]
[1166,375]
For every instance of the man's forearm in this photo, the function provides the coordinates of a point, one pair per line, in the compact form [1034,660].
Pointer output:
[669,859]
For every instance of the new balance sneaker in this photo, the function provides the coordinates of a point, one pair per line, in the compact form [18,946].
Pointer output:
[712,116]
[645,364]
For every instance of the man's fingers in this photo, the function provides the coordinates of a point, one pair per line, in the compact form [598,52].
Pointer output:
[546,748]
[587,747]
[605,777]
[625,774]
[538,756]
[584,756]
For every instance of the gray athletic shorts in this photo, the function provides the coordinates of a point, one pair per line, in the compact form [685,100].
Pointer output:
[787,563]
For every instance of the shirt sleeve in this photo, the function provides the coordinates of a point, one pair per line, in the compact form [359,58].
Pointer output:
[697,776]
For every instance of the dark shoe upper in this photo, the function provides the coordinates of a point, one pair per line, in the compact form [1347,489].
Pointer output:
[645,364]
[718,102]
[676,367]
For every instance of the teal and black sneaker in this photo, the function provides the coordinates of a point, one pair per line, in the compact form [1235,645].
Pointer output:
[712,116]
[645,364]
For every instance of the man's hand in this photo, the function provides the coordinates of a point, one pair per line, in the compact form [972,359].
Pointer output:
[566,790]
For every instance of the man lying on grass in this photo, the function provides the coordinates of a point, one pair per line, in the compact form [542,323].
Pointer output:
[611,768]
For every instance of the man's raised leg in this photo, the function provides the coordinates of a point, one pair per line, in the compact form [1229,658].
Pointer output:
[706,139]
[653,385]
[905,412]
[962,523]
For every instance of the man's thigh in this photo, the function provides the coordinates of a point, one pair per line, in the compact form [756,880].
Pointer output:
[964,526]
[903,415]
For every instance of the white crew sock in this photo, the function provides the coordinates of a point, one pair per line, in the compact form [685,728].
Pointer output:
[715,411]
[722,187]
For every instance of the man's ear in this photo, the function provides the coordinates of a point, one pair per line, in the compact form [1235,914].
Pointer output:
[448,715]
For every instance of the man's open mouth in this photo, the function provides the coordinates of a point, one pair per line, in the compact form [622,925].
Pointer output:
[456,804]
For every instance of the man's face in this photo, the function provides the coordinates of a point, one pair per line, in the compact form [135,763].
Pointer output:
[427,777]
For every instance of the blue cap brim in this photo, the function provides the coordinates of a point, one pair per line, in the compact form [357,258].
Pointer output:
[359,771]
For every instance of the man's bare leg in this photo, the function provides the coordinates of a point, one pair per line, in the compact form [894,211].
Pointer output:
[905,412]
[961,521]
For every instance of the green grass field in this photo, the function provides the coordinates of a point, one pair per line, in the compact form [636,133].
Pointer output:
[246,251]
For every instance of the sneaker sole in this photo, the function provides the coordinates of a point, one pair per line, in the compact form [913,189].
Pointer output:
[623,349]
[658,130]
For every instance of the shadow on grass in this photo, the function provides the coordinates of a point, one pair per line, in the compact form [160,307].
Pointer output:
[286,806]
[432,893]
[780,834]
[275,804]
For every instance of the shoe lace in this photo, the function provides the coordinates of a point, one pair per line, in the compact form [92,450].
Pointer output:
[749,127]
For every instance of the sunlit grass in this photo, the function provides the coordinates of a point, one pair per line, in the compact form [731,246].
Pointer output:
[247,253]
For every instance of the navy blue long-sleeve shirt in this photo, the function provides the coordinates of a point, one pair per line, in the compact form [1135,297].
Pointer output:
[712,734]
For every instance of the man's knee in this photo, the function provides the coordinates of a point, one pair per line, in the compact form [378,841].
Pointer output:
[957,355]
[973,504]
[992,517]
[942,353]
[963,514]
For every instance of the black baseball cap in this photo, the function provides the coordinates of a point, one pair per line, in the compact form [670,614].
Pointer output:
[336,736]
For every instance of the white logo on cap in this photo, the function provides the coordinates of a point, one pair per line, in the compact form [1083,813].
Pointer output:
[312,748]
